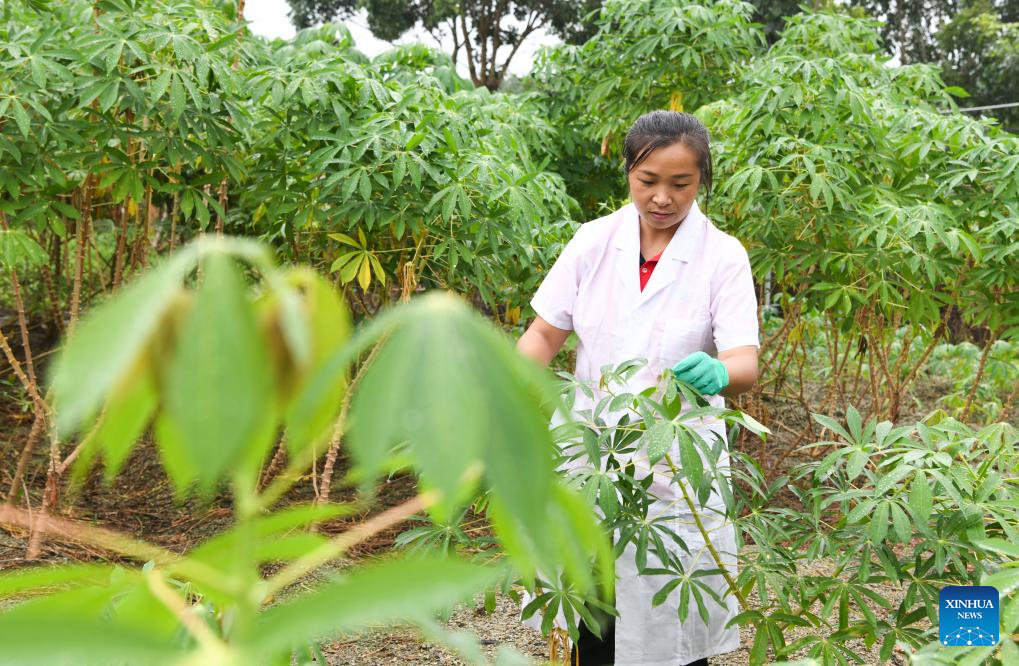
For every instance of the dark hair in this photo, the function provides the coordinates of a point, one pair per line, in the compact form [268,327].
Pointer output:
[658,129]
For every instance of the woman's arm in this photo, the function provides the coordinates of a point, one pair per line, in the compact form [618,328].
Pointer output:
[741,363]
[542,341]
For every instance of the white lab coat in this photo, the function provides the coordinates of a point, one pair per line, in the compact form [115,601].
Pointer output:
[700,297]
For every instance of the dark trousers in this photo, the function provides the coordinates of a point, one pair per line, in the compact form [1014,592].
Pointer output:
[593,651]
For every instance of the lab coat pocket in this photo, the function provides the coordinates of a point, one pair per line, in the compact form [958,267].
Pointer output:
[680,337]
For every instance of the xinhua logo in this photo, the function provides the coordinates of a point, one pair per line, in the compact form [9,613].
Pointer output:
[968,615]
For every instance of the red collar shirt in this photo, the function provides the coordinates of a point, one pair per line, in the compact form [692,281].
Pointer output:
[647,267]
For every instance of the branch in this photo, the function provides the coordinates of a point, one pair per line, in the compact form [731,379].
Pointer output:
[531,27]
[469,49]
[336,547]
[115,542]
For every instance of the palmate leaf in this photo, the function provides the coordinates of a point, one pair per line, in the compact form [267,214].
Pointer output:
[111,339]
[18,249]
[219,407]
[384,593]
[453,389]
[317,397]
[442,384]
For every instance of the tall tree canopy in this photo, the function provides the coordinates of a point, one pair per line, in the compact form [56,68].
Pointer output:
[489,32]
[980,52]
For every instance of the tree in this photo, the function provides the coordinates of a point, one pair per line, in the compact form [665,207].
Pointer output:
[981,54]
[489,32]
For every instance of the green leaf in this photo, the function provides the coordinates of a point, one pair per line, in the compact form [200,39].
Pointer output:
[345,239]
[833,425]
[690,460]
[21,118]
[74,627]
[50,577]
[111,339]
[159,86]
[901,524]
[177,99]
[660,438]
[128,412]
[319,393]
[920,499]
[998,546]
[400,590]
[443,385]
[219,410]
[759,649]
[109,96]
[18,249]
[1007,581]
[415,140]
[892,478]
[858,459]
[879,524]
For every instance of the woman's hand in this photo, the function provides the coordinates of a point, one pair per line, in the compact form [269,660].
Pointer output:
[706,374]
[732,373]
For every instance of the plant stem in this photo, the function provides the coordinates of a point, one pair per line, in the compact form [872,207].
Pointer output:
[991,339]
[81,240]
[339,545]
[341,425]
[114,542]
[707,537]
[38,427]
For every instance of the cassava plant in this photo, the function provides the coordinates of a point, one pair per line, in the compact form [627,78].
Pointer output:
[912,507]
[219,362]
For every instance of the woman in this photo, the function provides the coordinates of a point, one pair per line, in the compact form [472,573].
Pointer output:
[656,279]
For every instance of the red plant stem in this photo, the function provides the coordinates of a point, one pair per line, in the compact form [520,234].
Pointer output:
[81,240]
[222,204]
[991,339]
[120,256]
[139,256]
[54,301]
[49,498]
[38,427]
[275,464]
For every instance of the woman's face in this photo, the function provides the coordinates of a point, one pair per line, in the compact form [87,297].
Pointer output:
[663,187]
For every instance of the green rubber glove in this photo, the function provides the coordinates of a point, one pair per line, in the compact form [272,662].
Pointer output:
[706,374]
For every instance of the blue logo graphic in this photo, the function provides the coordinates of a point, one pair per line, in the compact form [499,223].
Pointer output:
[968,615]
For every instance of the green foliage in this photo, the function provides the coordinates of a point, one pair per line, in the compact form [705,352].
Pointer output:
[980,50]
[997,384]
[857,193]
[225,362]
[941,488]
[918,507]
[145,123]
[645,56]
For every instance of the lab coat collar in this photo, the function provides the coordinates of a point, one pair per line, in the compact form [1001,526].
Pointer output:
[681,249]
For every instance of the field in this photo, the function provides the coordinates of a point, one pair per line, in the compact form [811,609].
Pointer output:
[260,403]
